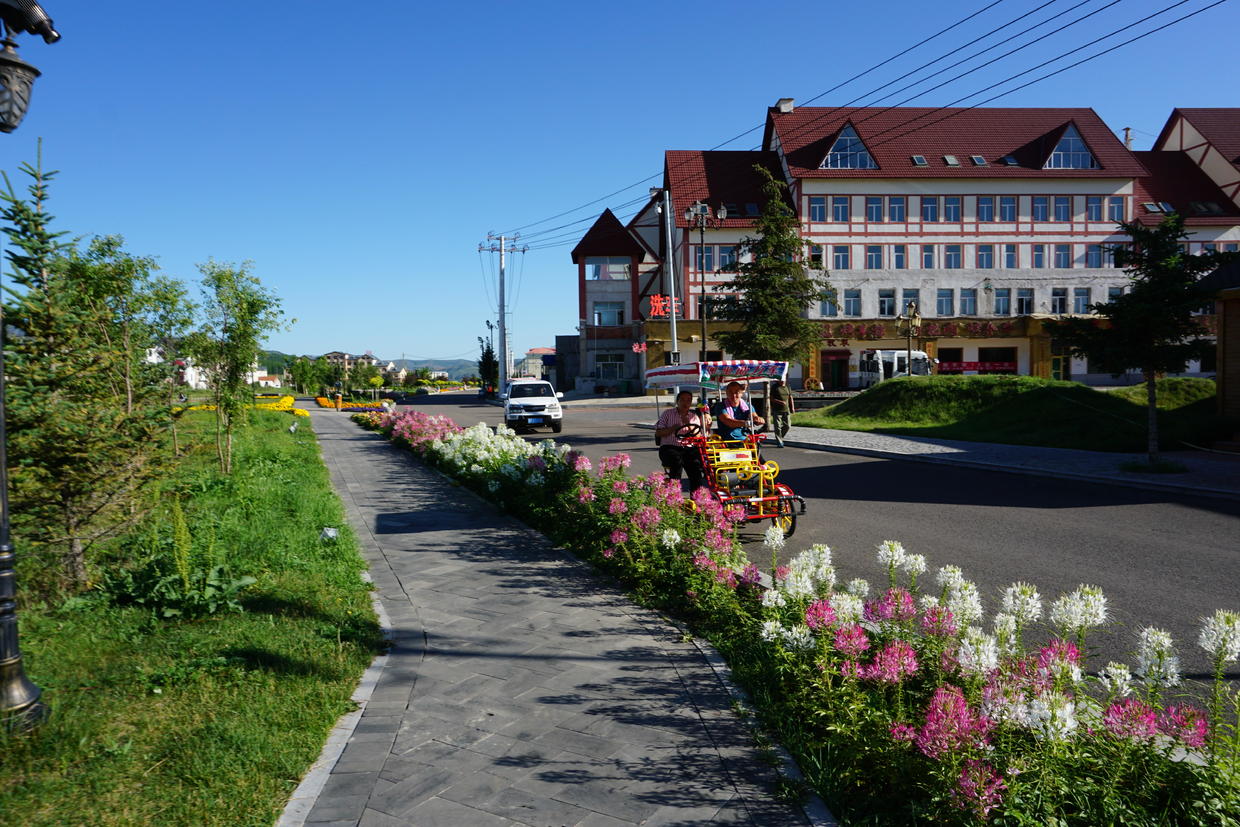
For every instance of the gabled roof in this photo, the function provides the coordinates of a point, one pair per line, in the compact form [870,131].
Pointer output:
[607,237]
[893,136]
[1175,179]
[718,177]
[1221,127]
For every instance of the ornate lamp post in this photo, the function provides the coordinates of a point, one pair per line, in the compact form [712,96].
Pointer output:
[911,320]
[698,215]
[20,707]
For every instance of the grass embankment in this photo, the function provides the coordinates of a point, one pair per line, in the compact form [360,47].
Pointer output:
[1023,410]
[207,721]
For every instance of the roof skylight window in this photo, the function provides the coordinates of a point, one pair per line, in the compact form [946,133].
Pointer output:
[1071,152]
[920,161]
[978,160]
[848,152]
[951,161]
[1206,208]
[1150,206]
[751,209]
[1166,205]
[1010,161]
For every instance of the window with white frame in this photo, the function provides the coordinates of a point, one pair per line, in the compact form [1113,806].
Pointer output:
[968,301]
[1080,300]
[828,308]
[848,152]
[874,208]
[1114,292]
[1063,208]
[909,295]
[1039,255]
[985,208]
[1041,208]
[873,257]
[886,301]
[985,256]
[945,302]
[899,261]
[927,256]
[952,256]
[852,302]
[840,257]
[1115,208]
[727,257]
[1003,301]
[1059,300]
[895,208]
[608,313]
[1071,152]
[929,208]
[840,208]
[607,268]
[817,208]
[1007,208]
[704,258]
[1063,255]
[1095,255]
[1093,208]
[951,208]
[1009,256]
[815,257]
[1024,301]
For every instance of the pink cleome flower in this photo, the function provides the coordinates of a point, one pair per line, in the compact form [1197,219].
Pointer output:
[619,536]
[647,517]
[751,576]
[1131,718]
[851,640]
[893,663]
[585,494]
[617,506]
[620,486]
[938,621]
[1185,723]
[979,789]
[819,615]
[897,604]
[950,725]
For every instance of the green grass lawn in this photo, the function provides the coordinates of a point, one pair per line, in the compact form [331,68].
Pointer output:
[211,720]
[1023,410]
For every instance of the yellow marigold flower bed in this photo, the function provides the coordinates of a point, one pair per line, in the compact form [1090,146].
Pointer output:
[324,402]
[284,404]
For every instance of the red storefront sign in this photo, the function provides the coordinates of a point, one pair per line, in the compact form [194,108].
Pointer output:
[987,367]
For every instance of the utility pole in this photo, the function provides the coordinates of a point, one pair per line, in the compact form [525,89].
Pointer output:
[505,245]
[669,272]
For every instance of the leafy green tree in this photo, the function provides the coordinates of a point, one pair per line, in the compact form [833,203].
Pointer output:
[772,290]
[362,374]
[171,315]
[86,411]
[1153,326]
[239,313]
[488,364]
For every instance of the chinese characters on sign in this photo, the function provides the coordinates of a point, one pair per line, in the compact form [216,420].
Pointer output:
[639,347]
[663,306]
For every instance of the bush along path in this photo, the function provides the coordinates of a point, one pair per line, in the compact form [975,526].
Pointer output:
[902,701]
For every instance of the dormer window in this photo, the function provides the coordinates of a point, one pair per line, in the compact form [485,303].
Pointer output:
[848,152]
[1071,152]
[1010,160]
[1150,206]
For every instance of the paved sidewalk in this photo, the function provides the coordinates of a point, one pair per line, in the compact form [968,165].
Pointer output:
[519,688]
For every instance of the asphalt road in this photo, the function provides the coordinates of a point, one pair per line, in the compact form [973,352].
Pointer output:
[1161,559]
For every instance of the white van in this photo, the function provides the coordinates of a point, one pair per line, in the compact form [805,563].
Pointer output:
[877,365]
[532,403]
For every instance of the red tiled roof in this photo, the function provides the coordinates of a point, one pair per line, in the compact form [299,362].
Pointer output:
[718,177]
[607,237]
[1221,127]
[1174,178]
[893,136]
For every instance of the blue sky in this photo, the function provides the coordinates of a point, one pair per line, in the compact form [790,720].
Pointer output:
[358,154]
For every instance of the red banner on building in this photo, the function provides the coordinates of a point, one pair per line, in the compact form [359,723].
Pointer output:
[982,367]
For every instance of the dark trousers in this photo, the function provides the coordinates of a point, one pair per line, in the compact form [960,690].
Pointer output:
[676,458]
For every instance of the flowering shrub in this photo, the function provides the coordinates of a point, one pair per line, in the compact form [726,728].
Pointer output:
[902,704]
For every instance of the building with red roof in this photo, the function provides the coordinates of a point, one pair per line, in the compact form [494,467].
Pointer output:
[991,220]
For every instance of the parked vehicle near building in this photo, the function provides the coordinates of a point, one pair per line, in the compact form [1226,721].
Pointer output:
[877,365]
[531,403]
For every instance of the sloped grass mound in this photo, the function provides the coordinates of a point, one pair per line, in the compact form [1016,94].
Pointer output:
[1024,410]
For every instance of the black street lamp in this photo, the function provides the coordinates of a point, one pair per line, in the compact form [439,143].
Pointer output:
[20,708]
[698,215]
[911,320]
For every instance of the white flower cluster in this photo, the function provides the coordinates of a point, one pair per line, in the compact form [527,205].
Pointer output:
[798,637]
[774,538]
[964,602]
[773,599]
[812,571]
[670,538]
[914,564]
[1157,663]
[978,653]
[1220,635]
[858,586]
[1083,609]
[1022,602]
[1051,716]
[890,553]
[849,608]
[1115,680]
[1005,633]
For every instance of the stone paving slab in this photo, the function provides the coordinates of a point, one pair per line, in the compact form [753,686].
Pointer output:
[520,688]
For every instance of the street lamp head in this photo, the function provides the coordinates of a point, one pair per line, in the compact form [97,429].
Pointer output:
[28,16]
[16,82]
[722,212]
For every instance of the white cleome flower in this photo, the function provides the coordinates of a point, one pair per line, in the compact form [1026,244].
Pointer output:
[1115,679]
[858,586]
[890,553]
[1005,632]
[978,652]
[774,538]
[1022,602]
[815,562]
[949,577]
[1052,716]
[914,564]
[849,608]
[1220,635]
[1085,608]
[772,631]
[773,599]
[799,637]
[927,602]
[799,584]
[670,538]
[1157,663]
[964,602]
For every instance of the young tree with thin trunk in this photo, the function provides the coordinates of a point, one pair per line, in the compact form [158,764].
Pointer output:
[1154,326]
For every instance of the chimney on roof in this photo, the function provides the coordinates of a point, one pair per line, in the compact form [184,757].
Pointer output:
[784,105]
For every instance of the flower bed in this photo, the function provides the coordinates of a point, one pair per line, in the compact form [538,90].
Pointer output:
[324,402]
[283,404]
[902,703]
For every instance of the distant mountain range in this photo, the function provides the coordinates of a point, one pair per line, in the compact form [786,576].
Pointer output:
[273,361]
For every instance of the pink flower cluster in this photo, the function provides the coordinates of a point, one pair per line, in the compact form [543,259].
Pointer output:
[938,621]
[979,789]
[851,640]
[893,663]
[819,615]
[1132,719]
[950,725]
[607,464]
[577,461]
[1185,723]
[646,518]
[897,605]
[418,429]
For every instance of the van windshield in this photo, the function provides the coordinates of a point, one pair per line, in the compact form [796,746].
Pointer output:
[519,391]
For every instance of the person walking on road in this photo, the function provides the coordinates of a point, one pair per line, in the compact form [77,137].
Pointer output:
[782,408]
[674,430]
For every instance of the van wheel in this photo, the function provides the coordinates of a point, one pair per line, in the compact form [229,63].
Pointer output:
[556,427]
